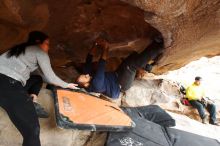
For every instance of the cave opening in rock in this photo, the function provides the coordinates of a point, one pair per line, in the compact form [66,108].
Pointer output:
[125,25]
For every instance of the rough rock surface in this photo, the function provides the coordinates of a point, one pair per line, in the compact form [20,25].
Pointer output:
[17,18]
[154,91]
[163,92]
[145,92]
[190,27]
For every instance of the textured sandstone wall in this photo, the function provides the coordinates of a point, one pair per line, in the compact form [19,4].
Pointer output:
[17,18]
[190,27]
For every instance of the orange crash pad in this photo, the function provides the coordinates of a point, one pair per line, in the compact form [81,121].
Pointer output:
[80,110]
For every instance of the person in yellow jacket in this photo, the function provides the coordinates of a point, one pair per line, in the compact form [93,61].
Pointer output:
[196,96]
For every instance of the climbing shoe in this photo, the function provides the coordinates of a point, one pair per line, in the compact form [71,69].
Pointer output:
[41,113]
[205,120]
[214,123]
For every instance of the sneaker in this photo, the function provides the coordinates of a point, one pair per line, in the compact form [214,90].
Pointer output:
[205,120]
[41,113]
[214,123]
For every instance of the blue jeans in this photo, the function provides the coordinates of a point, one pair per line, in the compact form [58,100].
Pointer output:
[201,109]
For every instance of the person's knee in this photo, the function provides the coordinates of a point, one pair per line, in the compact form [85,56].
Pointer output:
[39,79]
[212,107]
[200,107]
[196,104]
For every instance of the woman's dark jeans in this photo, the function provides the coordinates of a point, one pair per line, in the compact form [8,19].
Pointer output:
[34,84]
[15,100]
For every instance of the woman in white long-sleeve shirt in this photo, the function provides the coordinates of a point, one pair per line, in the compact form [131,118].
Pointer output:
[15,68]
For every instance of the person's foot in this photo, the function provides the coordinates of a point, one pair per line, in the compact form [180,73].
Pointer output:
[41,113]
[205,120]
[214,123]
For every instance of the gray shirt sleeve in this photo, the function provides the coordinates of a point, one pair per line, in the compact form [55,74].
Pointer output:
[45,66]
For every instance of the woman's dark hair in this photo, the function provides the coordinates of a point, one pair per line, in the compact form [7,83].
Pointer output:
[34,38]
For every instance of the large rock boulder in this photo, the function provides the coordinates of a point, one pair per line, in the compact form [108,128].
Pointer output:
[150,91]
[17,18]
[190,27]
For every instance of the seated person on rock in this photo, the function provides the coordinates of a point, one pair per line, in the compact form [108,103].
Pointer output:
[110,83]
[196,96]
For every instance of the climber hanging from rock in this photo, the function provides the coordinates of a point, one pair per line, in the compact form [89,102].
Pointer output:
[110,83]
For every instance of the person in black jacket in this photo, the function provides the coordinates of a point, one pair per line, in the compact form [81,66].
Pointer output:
[110,83]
